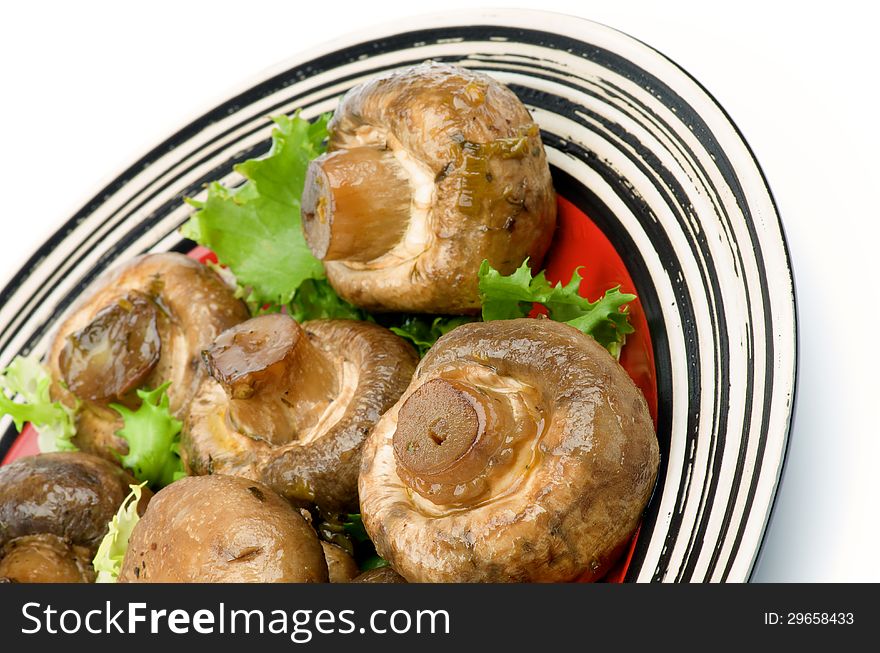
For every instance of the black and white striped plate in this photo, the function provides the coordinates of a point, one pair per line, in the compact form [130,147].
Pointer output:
[671,182]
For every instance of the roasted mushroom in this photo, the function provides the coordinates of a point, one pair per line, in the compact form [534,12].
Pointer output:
[145,324]
[341,566]
[429,170]
[291,405]
[54,511]
[521,452]
[222,529]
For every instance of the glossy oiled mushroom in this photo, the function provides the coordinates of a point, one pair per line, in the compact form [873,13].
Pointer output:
[429,170]
[521,452]
[222,529]
[54,512]
[144,324]
[291,405]
[341,566]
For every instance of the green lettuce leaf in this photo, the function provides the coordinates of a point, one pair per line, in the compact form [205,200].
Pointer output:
[315,299]
[53,421]
[365,553]
[512,296]
[372,562]
[353,525]
[424,332]
[153,437]
[255,228]
[108,559]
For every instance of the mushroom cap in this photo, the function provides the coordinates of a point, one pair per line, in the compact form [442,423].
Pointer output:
[380,575]
[562,488]
[322,464]
[482,186]
[145,323]
[54,511]
[216,529]
[73,495]
[341,566]
[45,558]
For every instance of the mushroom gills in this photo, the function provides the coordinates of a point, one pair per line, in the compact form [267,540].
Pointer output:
[350,193]
[417,237]
[144,324]
[291,405]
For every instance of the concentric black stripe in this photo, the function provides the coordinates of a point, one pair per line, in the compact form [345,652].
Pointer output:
[707,497]
[135,203]
[660,241]
[729,173]
[716,449]
[138,201]
[670,98]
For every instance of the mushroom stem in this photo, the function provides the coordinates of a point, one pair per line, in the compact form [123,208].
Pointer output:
[356,204]
[114,353]
[447,434]
[277,382]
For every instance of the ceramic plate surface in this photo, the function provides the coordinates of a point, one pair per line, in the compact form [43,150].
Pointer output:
[636,144]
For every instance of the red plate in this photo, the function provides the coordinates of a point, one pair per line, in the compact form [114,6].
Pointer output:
[578,243]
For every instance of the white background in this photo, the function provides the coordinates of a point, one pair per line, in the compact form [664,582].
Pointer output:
[86,88]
